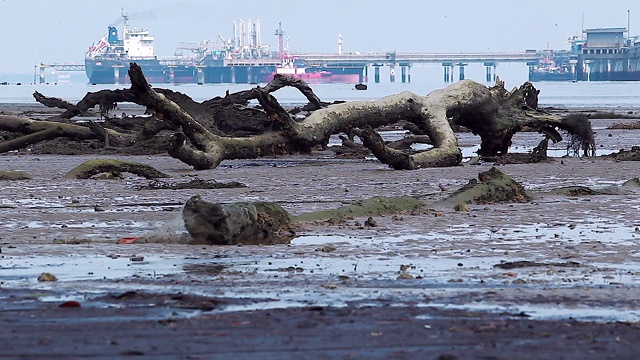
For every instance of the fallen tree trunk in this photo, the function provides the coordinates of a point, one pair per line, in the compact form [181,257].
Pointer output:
[210,149]
[494,114]
[38,130]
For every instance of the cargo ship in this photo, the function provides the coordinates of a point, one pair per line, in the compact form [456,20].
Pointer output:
[240,59]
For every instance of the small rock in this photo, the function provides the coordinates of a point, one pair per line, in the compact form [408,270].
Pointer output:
[405,276]
[519,282]
[45,276]
[136,258]
[461,207]
[70,304]
[98,208]
[371,222]
[328,248]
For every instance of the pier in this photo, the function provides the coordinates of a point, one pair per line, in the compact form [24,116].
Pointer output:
[365,61]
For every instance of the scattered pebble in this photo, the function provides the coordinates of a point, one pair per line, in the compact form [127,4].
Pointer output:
[70,304]
[45,276]
[371,222]
[327,248]
[404,276]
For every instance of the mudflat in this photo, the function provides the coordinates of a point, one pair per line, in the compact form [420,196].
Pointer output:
[556,277]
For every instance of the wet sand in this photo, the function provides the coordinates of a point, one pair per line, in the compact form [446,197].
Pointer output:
[420,284]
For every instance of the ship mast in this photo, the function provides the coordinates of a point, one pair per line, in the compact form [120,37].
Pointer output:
[125,20]
[280,34]
[629,26]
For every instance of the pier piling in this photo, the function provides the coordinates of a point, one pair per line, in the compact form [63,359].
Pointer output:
[490,70]
[200,75]
[448,72]
[461,66]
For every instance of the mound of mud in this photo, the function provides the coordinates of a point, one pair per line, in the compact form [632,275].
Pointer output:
[494,187]
[626,155]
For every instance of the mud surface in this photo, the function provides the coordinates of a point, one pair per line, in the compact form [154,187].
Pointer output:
[428,283]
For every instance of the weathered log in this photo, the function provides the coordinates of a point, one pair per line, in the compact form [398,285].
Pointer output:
[279,81]
[496,114]
[407,141]
[248,223]
[39,130]
[52,101]
[493,113]
[393,157]
[26,140]
[538,154]
[94,167]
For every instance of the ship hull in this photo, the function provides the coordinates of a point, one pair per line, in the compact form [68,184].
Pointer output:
[107,71]
[535,76]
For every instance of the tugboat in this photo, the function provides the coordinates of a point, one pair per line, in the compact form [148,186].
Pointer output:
[554,66]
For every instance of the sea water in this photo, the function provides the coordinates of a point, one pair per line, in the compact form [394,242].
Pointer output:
[424,79]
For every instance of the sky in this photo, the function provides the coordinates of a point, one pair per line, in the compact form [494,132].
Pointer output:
[60,31]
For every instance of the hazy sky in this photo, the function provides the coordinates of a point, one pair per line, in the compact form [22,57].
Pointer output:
[37,31]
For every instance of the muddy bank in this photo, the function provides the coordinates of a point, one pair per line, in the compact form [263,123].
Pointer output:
[354,332]
[338,284]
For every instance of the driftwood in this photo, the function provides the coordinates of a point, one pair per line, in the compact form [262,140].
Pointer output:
[38,130]
[205,134]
